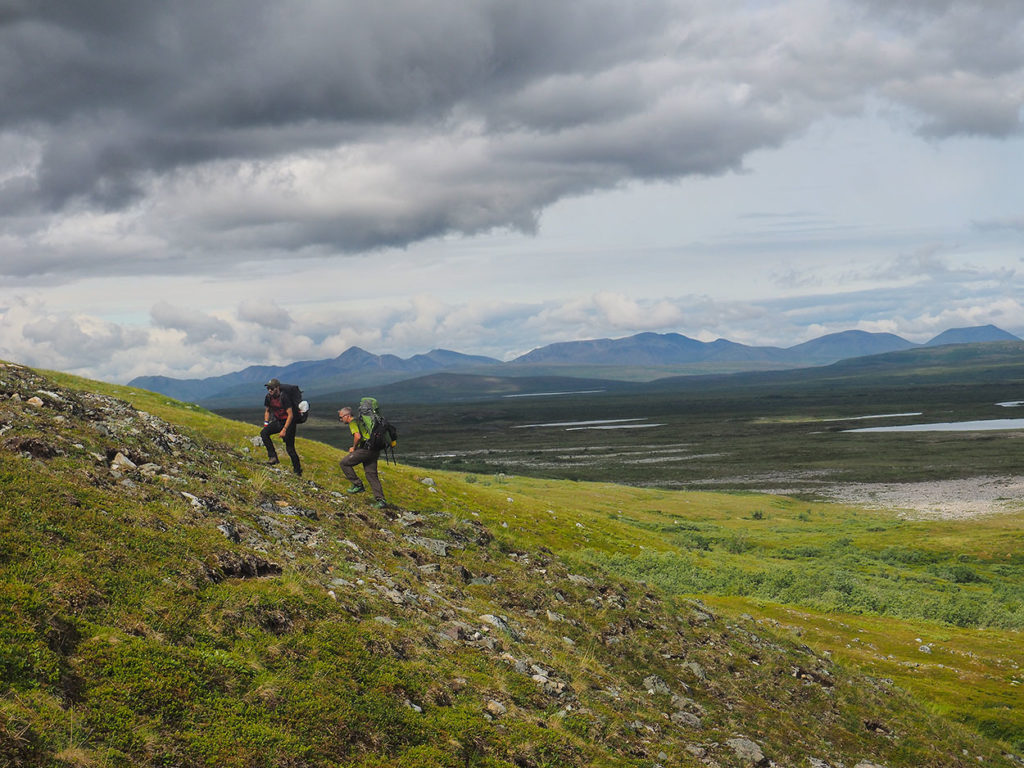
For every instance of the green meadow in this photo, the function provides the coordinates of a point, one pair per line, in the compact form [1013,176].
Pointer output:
[224,613]
[869,587]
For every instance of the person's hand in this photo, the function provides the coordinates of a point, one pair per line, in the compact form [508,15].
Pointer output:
[281,433]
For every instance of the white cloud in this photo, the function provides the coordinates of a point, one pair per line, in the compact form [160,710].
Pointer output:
[32,334]
[266,313]
[197,326]
[622,312]
[494,177]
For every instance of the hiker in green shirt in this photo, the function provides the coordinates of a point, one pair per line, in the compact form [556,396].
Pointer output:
[359,453]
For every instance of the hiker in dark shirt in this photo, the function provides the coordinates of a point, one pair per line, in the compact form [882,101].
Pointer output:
[279,416]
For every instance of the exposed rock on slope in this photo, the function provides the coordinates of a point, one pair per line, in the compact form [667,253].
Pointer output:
[183,605]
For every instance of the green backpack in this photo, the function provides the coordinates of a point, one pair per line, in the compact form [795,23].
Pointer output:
[378,433]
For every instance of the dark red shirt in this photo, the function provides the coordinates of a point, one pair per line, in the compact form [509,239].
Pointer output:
[278,406]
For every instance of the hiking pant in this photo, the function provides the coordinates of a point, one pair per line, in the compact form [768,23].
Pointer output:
[274,428]
[368,459]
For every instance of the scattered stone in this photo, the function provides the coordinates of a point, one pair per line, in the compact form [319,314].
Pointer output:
[428,481]
[747,751]
[228,529]
[410,519]
[866,764]
[122,463]
[556,687]
[655,684]
[36,402]
[436,546]
[309,539]
[195,500]
[457,631]
[681,703]
[496,708]
[686,719]
[696,669]
[925,649]
[399,598]
[290,510]
[501,624]
[385,620]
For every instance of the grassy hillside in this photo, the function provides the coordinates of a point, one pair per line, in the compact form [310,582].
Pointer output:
[201,609]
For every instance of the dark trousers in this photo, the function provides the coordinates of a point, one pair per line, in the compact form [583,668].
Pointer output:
[274,428]
[368,459]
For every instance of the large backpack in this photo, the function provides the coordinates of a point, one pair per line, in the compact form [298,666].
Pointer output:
[300,408]
[380,434]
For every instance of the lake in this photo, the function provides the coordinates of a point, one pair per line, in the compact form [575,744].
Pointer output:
[949,426]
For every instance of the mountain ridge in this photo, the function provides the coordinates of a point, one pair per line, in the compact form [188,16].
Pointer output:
[667,353]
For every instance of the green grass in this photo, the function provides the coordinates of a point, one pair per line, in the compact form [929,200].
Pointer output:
[876,570]
[129,636]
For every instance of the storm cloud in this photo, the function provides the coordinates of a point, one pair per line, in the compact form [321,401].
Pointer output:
[211,134]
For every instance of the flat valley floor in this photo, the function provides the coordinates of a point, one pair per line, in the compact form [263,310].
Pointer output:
[958,499]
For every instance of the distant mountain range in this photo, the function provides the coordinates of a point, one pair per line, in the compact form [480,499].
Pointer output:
[642,356]
[352,367]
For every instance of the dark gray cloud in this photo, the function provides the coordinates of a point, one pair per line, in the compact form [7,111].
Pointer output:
[1009,223]
[218,132]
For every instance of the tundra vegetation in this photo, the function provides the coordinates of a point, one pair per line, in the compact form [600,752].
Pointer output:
[739,432]
[168,600]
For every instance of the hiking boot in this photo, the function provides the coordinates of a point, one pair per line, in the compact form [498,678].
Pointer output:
[272,462]
[355,489]
[380,504]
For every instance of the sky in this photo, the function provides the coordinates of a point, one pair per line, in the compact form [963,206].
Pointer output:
[189,188]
